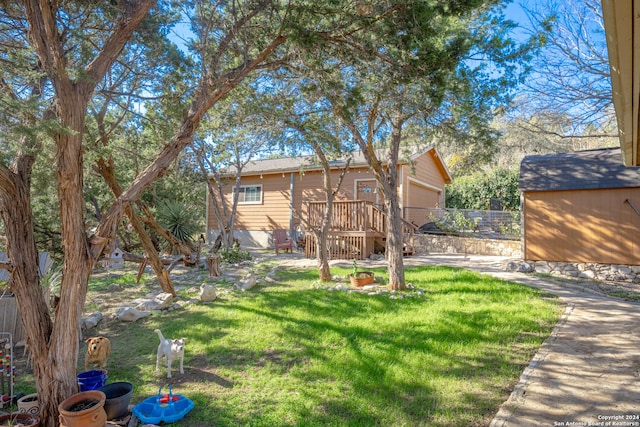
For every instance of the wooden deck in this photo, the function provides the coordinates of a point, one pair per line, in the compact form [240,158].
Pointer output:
[358,228]
[346,244]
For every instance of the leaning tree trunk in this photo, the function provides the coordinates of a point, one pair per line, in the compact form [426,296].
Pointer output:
[106,170]
[15,206]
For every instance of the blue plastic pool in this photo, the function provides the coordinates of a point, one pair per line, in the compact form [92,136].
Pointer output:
[170,408]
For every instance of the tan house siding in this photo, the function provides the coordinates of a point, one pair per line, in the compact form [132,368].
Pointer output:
[582,226]
[255,221]
[423,186]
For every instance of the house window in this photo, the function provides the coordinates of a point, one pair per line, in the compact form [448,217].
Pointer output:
[250,194]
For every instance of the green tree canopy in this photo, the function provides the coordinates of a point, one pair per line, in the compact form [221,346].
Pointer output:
[475,191]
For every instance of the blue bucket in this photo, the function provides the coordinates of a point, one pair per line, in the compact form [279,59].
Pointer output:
[92,380]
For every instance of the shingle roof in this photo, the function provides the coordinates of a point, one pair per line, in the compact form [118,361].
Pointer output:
[580,170]
[291,164]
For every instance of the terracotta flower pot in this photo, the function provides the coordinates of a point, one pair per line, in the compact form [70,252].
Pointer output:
[85,409]
[22,419]
[363,278]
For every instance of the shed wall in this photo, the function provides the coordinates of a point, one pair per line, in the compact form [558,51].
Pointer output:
[591,226]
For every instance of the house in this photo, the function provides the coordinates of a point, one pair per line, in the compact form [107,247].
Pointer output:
[274,193]
[581,207]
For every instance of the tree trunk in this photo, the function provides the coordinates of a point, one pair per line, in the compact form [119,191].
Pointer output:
[394,243]
[323,234]
[106,169]
[322,251]
[63,353]
[24,282]
[387,180]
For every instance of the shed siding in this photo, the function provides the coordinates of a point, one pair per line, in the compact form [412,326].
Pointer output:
[583,226]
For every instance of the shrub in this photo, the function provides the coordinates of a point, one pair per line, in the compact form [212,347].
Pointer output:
[476,191]
[234,254]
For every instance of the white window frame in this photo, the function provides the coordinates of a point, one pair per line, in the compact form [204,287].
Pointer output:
[250,202]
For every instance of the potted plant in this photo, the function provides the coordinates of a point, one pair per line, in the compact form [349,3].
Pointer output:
[29,404]
[360,278]
[84,409]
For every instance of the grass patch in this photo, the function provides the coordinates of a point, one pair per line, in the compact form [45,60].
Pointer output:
[286,354]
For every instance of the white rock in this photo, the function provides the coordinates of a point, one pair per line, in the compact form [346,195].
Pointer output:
[92,321]
[130,314]
[207,293]
[161,301]
[248,283]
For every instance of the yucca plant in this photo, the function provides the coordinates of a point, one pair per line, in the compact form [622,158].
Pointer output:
[180,219]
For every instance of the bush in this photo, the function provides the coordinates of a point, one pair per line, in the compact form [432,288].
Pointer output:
[234,254]
[476,191]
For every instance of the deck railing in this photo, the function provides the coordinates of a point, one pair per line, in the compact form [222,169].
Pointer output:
[349,215]
[355,224]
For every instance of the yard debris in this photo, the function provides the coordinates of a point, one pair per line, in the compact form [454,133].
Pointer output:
[271,275]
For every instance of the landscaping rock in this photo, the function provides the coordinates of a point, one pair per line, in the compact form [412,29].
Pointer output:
[114,287]
[207,293]
[271,275]
[130,314]
[161,302]
[248,282]
[92,320]
[587,275]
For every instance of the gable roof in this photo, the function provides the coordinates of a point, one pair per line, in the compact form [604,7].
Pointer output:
[580,170]
[310,163]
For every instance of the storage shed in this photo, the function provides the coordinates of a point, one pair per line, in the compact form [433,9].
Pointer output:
[581,207]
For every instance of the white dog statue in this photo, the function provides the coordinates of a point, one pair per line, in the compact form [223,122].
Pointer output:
[171,349]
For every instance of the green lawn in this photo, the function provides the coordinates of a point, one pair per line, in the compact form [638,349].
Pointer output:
[287,354]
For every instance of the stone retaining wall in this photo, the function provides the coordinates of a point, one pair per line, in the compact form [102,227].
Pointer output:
[606,272]
[427,243]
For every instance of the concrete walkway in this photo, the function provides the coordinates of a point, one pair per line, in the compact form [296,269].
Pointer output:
[585,374]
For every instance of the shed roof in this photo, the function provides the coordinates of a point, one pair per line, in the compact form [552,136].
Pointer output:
[580,170]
